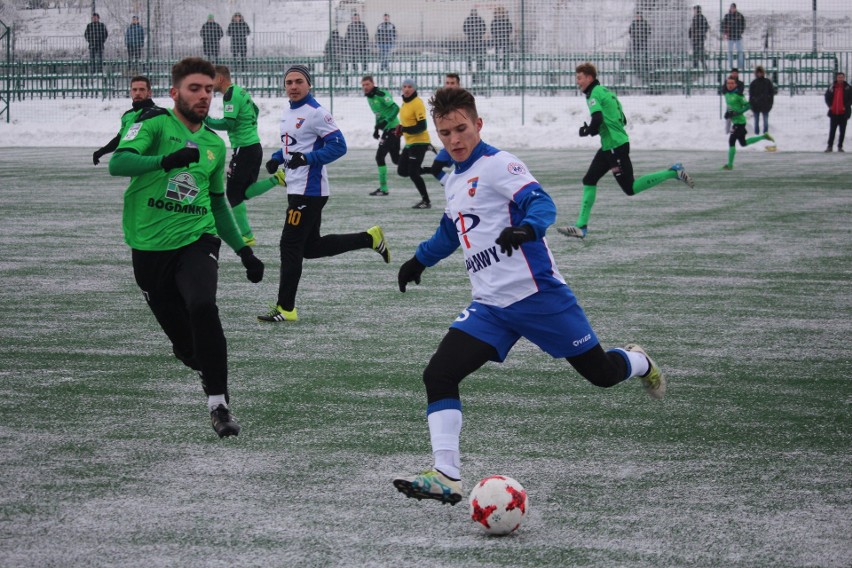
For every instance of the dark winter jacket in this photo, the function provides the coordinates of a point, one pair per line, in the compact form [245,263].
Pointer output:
[761,94]
[211,33]
[357,37]
[501,30]
[96,34]
[699,28]
[847,98]
[134,36]
[386,34]
[733,25]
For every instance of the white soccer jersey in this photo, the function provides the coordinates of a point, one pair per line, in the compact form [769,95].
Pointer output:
[483,194]
[308,128]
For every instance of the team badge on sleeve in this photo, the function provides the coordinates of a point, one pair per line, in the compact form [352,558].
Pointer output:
[516,168]
[329,119]
[229,108]
[133,131]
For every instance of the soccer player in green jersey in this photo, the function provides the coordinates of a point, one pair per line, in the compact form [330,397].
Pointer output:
[737,107]
[140,96]
[608,121]
[387,119]
[174,208]
[240,122]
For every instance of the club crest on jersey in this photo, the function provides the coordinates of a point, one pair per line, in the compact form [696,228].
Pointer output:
[210,156]
[471,190]
[182,187]
[329,119]
[592,102]
[516,168]
[229,108]
[299,122]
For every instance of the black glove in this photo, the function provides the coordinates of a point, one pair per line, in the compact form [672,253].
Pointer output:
[376,133]
[272,166]
[297,160]
[410,271]
[512,238]
[180,159]
[729,114]
[96,157]
[584,130]
[254,266]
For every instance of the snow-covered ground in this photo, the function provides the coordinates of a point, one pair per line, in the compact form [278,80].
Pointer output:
[662,122]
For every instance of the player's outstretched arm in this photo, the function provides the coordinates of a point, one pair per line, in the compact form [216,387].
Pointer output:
[128,163]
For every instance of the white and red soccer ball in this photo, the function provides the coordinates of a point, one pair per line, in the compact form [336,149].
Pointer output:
[498,504]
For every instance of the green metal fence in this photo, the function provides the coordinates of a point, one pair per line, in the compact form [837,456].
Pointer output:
[794,73]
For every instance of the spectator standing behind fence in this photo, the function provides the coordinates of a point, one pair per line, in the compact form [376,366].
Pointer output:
[357,38]
[698,33]
[334,52]
[385,40]
[474,32]
[733,26]
[211,34]
[639,32]
[761,95]
[134,39]
[96,35]
[238,31]
[838,97]
[501,34]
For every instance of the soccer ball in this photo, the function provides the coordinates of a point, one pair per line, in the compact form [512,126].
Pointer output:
[499,504]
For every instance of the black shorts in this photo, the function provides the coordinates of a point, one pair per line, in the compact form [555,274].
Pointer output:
[411,160]
[618,162]
[738,134]
[242,172]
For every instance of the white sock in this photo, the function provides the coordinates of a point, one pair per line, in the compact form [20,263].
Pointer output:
[638,363]
[215,400]
[445,431]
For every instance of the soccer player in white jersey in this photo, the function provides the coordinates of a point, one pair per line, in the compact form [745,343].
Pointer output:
[310,139]
[498,214]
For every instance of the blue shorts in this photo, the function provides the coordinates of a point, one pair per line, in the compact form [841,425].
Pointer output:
[552,319]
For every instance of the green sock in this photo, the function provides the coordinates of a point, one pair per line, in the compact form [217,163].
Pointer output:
[753,139]
[589,194]
[732,151]
[650,180]
[383,178]
[241,217]
[261,187]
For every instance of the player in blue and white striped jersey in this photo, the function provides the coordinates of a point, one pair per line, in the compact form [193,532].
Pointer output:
[498,213]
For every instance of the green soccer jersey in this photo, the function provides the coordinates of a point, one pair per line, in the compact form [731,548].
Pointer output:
[738,105]
[386,111]
[129,118]
[240,118]
[612,131]
[168,210]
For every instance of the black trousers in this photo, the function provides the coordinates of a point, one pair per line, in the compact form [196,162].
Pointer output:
[410,163]
[460,354]
[618,162]
[180,288]
[837,121]
[242,172]
[388,144]
[301,239]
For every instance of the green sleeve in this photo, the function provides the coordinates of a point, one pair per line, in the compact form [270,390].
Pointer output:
[128,163]
[226,123]
[225,224]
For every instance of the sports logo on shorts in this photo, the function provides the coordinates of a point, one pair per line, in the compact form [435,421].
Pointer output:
[516,168]
[133,131]
[182,187]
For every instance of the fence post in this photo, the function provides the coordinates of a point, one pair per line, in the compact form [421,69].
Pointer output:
[6,77]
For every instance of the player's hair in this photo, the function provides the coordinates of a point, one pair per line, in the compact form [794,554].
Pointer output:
[141,78]
[189,66]
[587,69]
[453,76]
[368,78]
[445,101]
[223,71]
